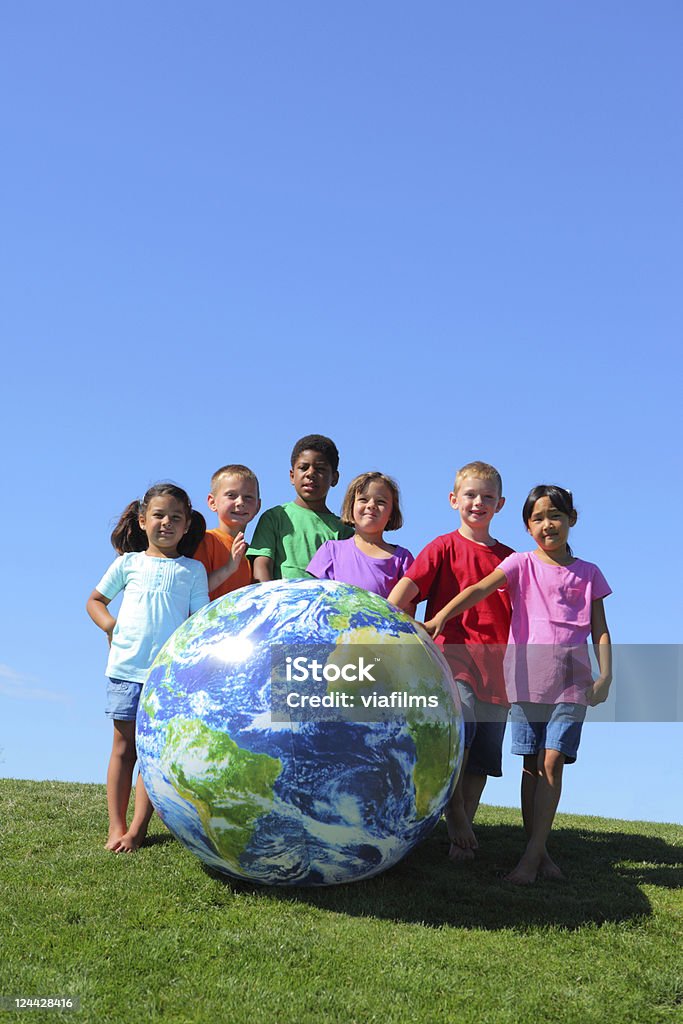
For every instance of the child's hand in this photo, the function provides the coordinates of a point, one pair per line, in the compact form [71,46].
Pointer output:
[434,626]
[598,692]
[239,547]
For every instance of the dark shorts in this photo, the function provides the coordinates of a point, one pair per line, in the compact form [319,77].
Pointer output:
[484,732]
[123,698]
[538,727]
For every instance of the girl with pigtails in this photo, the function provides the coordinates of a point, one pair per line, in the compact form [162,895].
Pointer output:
[162,585]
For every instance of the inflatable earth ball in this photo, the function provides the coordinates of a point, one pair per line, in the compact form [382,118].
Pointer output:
[300,732]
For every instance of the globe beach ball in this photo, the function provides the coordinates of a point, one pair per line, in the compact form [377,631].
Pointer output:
[300,732]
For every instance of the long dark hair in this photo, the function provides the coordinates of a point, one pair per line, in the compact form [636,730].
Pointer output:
[128,535]
[562,499]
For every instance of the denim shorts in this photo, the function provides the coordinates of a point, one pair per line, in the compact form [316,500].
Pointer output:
[123,698]
[484,732]
[538,727]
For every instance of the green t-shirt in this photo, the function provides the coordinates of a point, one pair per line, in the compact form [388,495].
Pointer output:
[291,535]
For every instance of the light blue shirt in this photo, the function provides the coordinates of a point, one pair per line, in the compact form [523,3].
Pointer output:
[158,595]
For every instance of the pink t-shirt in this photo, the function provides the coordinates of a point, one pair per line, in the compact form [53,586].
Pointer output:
[546,661]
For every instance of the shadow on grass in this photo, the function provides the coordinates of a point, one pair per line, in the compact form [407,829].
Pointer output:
[604,874]
[158,839]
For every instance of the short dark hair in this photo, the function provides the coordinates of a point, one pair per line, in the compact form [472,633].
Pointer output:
[128,535]
[317,443]
[358,485]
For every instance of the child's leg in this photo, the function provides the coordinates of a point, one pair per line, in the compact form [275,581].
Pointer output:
[554,731]
[144,810]
[463,840]
[120,780]
[530,772]
[472,788]
[528,791]
[486,753]
[460,833]
[541,792]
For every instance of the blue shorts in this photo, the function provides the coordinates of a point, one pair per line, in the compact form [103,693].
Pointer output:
[538,727]
[123,698]
[484,732]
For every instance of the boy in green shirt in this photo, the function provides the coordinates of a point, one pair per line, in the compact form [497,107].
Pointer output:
[287,536]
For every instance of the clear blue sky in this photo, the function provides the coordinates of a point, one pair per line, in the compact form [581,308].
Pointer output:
[434,232]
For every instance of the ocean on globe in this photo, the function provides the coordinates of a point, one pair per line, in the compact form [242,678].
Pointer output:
[300,732]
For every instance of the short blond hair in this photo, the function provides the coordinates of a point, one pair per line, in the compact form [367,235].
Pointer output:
[235,469]
[358,485]
[483,470]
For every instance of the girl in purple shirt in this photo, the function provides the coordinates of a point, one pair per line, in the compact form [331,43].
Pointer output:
[557,602]
[371,506]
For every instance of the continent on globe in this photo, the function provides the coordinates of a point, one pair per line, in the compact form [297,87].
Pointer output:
[269,790]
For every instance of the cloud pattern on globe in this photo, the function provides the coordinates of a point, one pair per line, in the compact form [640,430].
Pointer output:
[317,797]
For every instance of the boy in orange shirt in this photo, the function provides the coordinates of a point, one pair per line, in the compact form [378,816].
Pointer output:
[235,498]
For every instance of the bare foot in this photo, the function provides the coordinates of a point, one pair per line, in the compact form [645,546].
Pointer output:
[526,871]
[458,853]
[460,831]
[114,838]
[131,841]
[549,869]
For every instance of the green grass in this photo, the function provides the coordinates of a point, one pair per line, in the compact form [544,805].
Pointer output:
[155,936]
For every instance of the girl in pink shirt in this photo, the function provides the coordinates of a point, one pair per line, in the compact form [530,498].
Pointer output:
[557,601]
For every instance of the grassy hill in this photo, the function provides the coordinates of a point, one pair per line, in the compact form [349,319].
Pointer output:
[155,936]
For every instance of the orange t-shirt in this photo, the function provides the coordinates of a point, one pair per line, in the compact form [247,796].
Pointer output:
[213,553]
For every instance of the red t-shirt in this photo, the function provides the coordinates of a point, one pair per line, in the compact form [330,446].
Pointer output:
[473,643]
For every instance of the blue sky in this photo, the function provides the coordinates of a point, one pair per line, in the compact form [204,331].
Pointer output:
[434,232]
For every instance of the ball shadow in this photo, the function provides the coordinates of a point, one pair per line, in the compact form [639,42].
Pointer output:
[605,872]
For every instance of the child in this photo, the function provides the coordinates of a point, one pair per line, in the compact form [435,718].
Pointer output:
[557,600]
[287,536]
[473,645]
[161,588]
[234,497]
[371,505]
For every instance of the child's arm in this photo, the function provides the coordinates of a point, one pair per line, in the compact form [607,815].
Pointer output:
[265,544]
[466,599]
[262,569]
[224,572]
[96,606]
[403,594]
[602,645]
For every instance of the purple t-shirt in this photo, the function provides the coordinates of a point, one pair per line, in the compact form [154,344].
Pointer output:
[546,661]
[343,561]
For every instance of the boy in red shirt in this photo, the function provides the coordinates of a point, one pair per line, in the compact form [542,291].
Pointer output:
[472,644]
[235,498]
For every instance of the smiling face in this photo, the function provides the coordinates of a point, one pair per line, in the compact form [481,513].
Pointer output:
[165,523]
[477,500]
[550,527]
[235,501]
[312,476]
[372,508]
